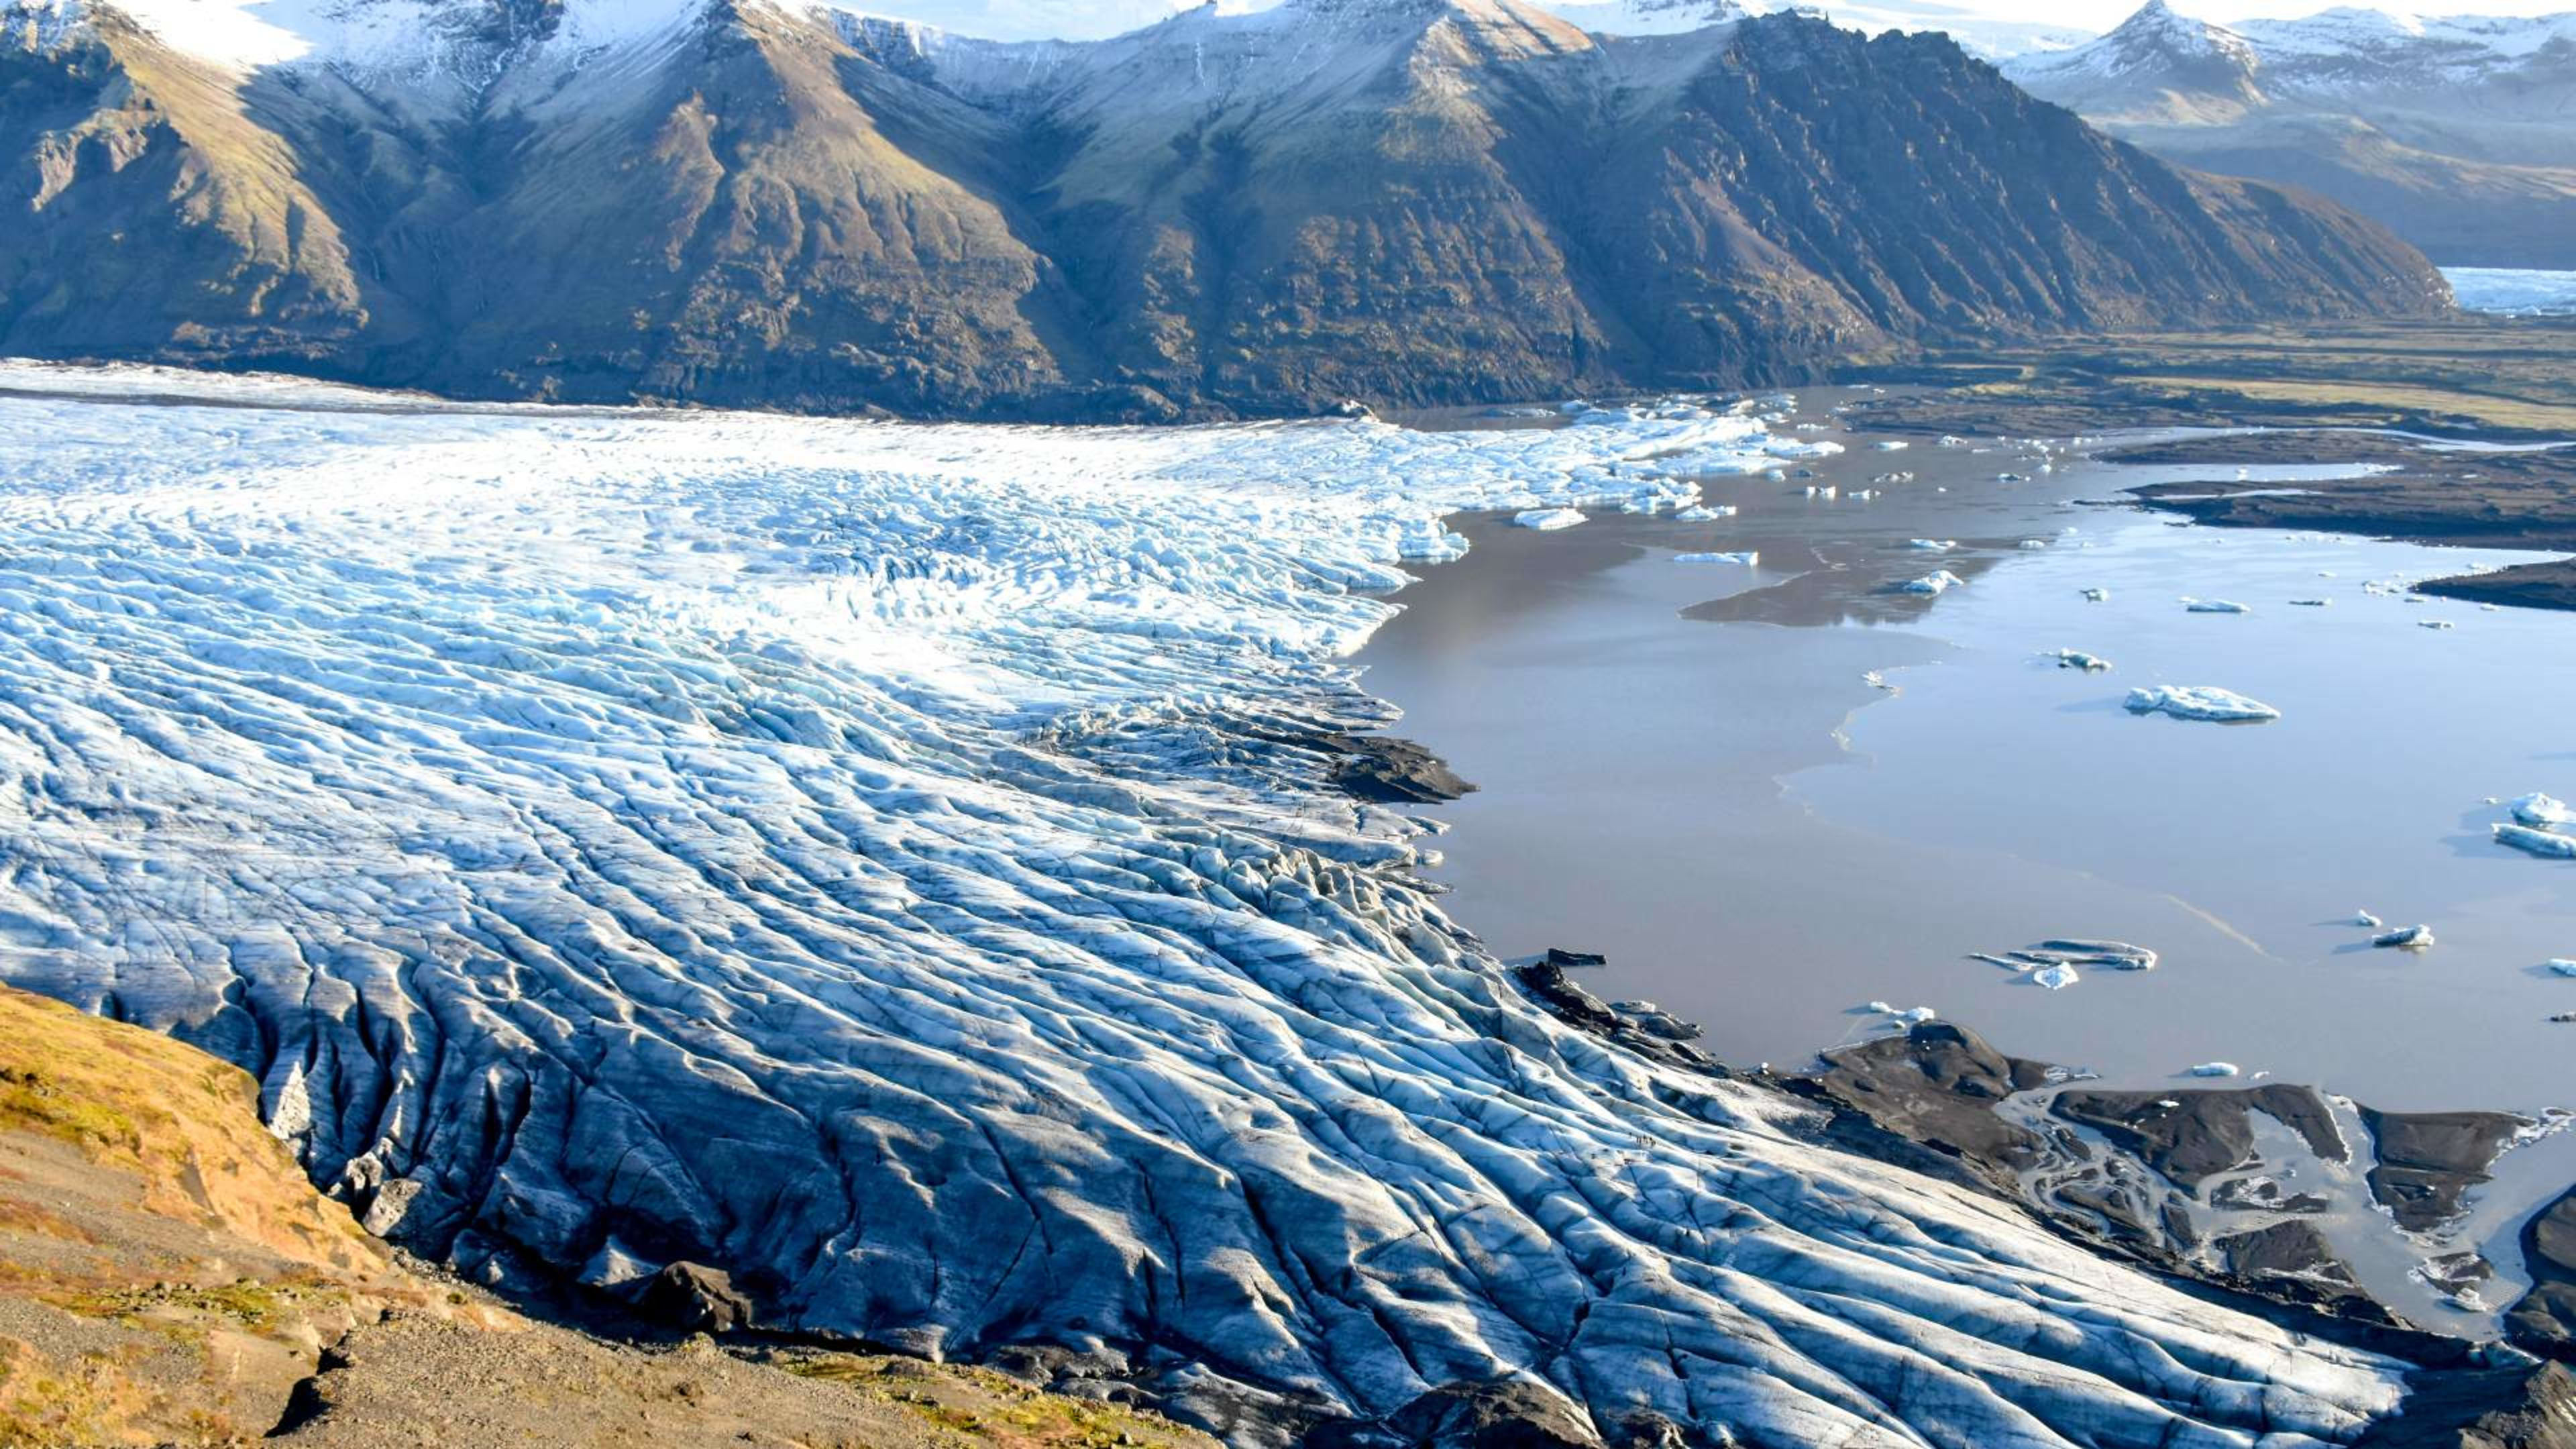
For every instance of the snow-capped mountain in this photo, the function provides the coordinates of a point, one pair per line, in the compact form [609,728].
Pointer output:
[2460,132]
[1400,200]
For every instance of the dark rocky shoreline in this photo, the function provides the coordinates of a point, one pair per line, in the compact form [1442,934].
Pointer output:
[2524,500]
[1926,1099]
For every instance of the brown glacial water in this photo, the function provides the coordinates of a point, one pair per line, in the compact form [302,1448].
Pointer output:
[1688,767]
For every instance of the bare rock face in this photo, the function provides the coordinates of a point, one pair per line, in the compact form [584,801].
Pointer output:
[693,1298]
[2428,1161]
[1401,201]
[2546,1317]
[1497,1414]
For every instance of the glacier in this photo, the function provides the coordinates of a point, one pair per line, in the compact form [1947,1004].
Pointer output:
[899,864]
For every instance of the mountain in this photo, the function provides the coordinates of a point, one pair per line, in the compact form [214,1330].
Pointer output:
[2459,134]
[1411,201]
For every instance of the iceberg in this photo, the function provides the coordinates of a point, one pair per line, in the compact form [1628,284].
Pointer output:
[2366,920]
[1705,513]
[2198,701]
[2405,938]
[2097,596]
[2055,978]
[2432,623]
[1932,545]
[2561,966]
[2110,955]
[1547,518]
[2312,603]
[2214,606]
[1890,445]
[1932,583]
[2541,810]
[2078,659]
[2215,1069]
[2536,842]
[1749,558]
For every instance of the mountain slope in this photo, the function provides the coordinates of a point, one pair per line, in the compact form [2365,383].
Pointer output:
[2458,134]
[1398,200]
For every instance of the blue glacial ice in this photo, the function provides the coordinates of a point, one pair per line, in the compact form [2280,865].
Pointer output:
[2198,701]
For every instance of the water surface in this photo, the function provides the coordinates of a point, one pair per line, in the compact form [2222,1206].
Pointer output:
[1687,766]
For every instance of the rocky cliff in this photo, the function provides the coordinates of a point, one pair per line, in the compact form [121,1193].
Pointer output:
[1406,201]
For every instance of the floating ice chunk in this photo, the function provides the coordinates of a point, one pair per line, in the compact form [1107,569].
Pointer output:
[2078,659]
[2560,965]
[2010,478]
[1932,545]
[2214,606]
[2541,810]
[2214,1069]
[1882,1008]
[1546,518]
[2367,921]
[2055,978]
[2432,623]
[1916,1015]
[2199,701]
[2536,842]
[2111,955]
[1822,490]
[2406,938]
[2117,955]
[1932,583]
[2032,543]
[1705,512]
[2097,596]
[1891,445]
[1749,558]
[2313,603]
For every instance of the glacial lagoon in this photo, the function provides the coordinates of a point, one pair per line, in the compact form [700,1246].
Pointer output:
[1776,794]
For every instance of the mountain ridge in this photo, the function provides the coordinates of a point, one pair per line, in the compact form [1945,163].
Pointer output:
[1411,203]
[2453,132]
